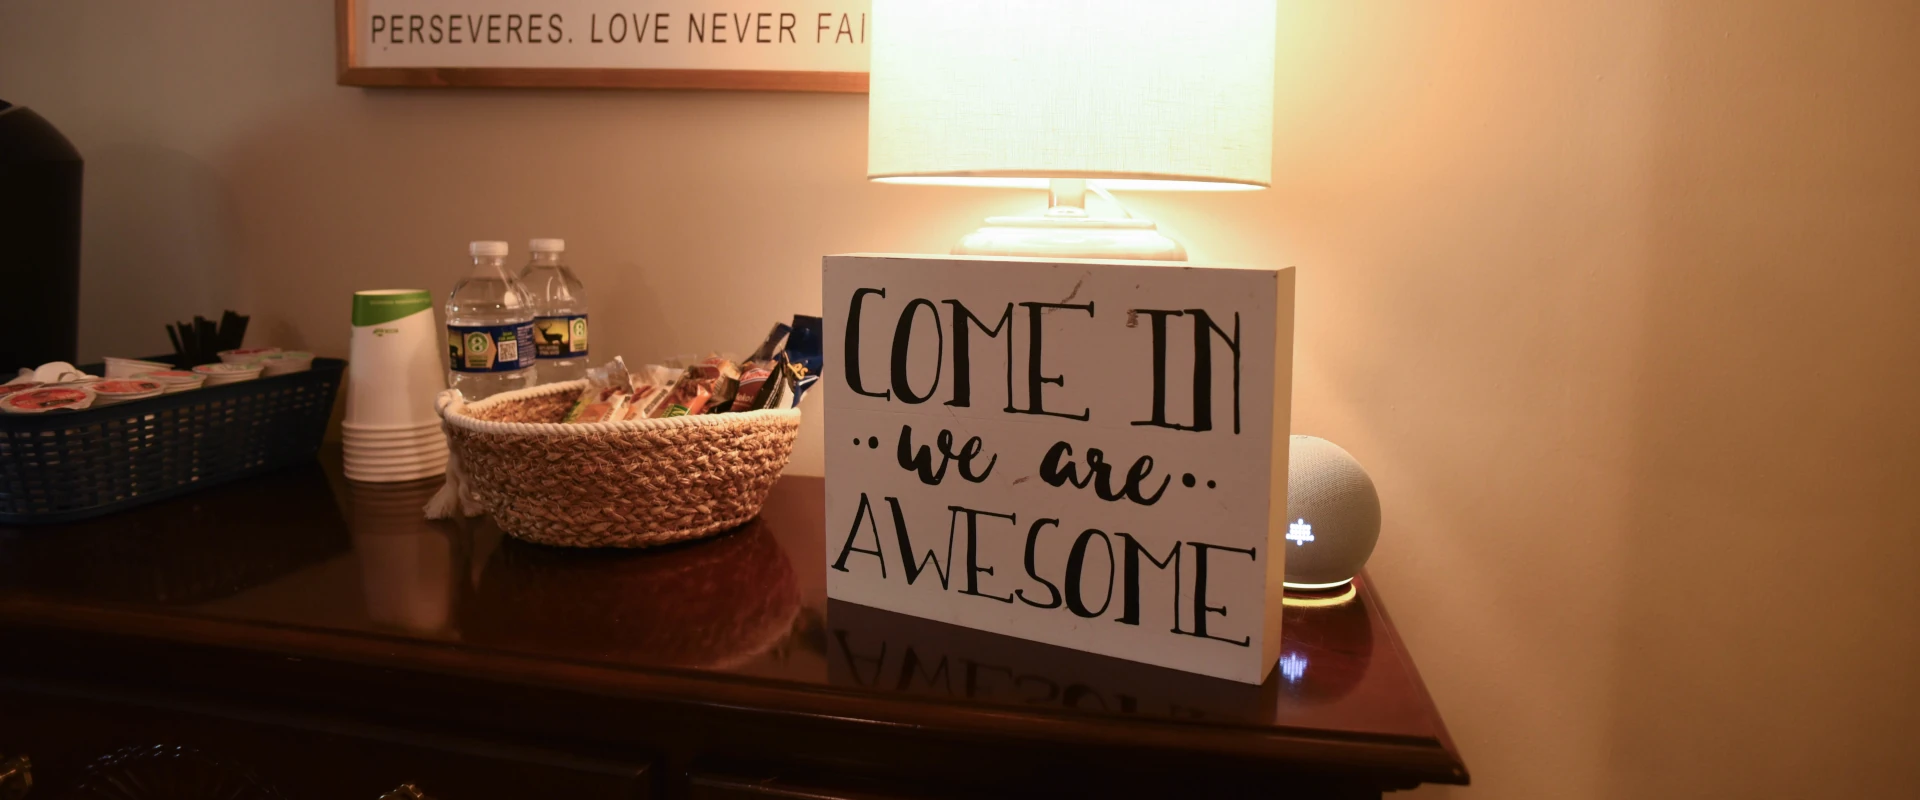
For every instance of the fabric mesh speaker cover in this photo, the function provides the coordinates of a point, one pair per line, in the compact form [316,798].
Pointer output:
[1330,499]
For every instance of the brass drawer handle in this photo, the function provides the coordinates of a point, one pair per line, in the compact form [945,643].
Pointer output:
[406,791]
[16,777]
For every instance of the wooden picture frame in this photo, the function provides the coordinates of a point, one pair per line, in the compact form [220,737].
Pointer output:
[353,68]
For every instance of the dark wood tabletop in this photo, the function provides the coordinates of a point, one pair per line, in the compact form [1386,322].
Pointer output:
[717,668]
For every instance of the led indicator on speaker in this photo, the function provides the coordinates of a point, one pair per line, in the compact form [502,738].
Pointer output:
[1300,532]
[1293,667]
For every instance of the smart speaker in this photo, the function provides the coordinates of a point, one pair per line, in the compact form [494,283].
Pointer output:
[1334,515]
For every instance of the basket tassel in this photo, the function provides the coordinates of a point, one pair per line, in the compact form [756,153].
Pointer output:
[456,497]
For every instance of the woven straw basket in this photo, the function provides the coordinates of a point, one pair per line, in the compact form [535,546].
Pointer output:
[640,483]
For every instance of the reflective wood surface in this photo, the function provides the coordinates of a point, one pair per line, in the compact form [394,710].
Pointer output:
[300,589]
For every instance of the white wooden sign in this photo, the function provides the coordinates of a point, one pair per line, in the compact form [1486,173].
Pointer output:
[1090,454]
[802,45]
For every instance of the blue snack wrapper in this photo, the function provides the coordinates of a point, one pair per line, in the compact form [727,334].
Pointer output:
[804,346]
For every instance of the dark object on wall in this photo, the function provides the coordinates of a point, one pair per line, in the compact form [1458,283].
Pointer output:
[40,224]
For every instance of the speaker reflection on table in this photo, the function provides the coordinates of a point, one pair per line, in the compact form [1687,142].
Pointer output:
[1336,515]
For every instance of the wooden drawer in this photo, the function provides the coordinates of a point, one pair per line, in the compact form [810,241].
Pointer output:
[295,757]
[716,786]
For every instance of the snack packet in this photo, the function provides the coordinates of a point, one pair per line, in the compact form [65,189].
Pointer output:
[804,345]
[754,371]
[599,404]
[751,379]
[644,401]
[800,387]
[654,375]
[764,353]
[779,383]
[693,403]
[650,385]
[689,395]
[605,399]
[725,382]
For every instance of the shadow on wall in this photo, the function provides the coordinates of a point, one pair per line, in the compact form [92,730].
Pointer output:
[156,248]
[1780,342]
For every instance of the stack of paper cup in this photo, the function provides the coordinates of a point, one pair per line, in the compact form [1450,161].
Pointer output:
[393,373]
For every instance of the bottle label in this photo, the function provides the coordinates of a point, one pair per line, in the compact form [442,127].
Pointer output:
[490,348]
[560,337]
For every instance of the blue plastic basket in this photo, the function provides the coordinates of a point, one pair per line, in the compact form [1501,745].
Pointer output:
[62,466]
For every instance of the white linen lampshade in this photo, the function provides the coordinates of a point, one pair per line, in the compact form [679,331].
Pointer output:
[1131,94]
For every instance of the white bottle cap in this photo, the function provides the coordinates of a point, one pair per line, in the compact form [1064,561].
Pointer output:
[547,245]
[487,248]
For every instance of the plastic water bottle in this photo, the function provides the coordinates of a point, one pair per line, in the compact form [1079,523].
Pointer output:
[489,327]
[559,312]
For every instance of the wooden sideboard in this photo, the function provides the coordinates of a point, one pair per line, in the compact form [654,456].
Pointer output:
[299,636]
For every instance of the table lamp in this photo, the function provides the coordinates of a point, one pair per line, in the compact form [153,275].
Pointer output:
[1072,96]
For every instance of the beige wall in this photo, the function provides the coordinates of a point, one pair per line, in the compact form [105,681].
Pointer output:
[1620,302]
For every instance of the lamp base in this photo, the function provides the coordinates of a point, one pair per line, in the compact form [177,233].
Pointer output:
[1066,232]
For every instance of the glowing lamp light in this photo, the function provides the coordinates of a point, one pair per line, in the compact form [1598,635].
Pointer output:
[1072,96]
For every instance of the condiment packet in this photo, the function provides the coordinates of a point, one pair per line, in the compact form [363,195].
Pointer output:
[18,387]
[122,390]
[52,398]
[286,362]
[175,380]
[246,356]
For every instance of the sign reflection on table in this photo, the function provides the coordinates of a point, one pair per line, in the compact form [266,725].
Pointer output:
[1327,650]
[876,650]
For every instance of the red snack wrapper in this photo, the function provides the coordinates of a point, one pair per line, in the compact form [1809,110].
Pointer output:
[751,380]
[726,382]
[779,380]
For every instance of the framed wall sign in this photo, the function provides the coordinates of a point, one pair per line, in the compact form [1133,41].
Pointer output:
[776,45]
[1089,454]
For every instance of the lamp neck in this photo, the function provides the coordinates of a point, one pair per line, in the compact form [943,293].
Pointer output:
[1067,197]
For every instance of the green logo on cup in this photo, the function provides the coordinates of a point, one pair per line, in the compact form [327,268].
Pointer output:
[380,306]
